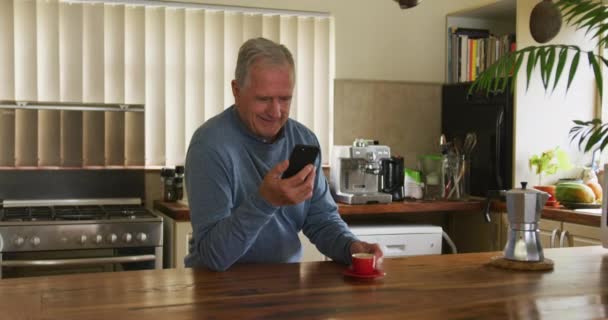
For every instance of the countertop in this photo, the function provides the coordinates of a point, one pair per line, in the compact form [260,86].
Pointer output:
[179,211]
[458,286]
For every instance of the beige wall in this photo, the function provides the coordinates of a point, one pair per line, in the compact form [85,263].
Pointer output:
[403,115]
[543,119]
[375,39]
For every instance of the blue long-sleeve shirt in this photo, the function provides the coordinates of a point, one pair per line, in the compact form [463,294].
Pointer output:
[231,222]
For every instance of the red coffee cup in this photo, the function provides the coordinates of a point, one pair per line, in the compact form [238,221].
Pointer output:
[364,263]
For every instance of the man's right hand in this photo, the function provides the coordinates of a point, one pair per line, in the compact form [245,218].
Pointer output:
[293,190]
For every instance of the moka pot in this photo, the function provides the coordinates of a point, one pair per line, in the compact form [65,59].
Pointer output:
[524,208]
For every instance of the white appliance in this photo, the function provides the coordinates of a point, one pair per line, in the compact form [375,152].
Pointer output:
[402,240]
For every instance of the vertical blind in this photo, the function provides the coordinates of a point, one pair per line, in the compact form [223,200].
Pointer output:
[176,59]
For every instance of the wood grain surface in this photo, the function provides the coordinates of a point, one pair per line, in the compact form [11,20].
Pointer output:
[425,287]
[181,212]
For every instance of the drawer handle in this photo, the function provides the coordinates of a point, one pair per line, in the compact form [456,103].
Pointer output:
[554,235]
[566,237]
[395,247]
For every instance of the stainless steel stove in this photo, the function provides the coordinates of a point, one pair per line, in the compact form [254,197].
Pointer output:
[42,235]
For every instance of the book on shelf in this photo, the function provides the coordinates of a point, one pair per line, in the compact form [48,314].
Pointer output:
[471,51]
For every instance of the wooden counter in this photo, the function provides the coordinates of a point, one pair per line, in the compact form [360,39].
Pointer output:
[180,211]
[425,287]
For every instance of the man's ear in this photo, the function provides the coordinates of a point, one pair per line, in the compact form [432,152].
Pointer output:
[235,91]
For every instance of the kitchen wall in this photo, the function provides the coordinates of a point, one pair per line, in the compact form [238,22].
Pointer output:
[377,40]
[384,55]
[390,64]
[404,115]
[543,119]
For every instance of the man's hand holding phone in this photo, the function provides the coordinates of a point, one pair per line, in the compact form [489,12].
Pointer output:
[291,181]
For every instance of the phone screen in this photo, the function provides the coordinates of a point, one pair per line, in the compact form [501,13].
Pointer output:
[301,155]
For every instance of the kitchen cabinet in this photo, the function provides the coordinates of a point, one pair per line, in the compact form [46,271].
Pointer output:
[472,233]
[557,234]
[176,240]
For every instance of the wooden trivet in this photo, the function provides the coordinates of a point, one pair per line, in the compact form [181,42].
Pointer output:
[503,263]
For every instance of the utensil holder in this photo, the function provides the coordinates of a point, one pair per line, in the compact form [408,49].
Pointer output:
[457,178]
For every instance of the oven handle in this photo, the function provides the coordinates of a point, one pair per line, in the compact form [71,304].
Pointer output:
[79,261]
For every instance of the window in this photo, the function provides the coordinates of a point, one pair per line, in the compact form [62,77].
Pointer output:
[176,59]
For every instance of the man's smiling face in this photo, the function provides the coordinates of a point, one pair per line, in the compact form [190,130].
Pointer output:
[263,102]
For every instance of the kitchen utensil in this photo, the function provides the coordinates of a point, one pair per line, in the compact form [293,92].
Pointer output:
[364,263]
[524,207]
[470,141]
[376,274]
[443,144]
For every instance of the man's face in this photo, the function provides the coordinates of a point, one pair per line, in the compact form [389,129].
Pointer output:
[263,103]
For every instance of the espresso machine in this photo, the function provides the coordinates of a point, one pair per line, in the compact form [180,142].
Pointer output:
[356,171]
[524,207]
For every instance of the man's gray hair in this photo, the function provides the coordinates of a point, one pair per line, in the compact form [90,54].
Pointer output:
[257,49]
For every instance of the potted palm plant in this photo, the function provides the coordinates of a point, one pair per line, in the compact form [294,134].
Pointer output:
[556,61]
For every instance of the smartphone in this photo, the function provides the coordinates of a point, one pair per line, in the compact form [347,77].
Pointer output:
[301,155]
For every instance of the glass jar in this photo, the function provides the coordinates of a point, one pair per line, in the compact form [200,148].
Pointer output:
[431,166]
[179,182]
[168,184]
[457,172]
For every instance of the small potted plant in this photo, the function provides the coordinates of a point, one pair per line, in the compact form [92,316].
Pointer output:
[549,162]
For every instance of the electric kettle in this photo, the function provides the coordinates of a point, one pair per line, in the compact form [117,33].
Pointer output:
[524,208]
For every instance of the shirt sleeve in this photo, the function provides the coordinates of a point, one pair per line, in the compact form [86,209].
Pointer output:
[222,234]
[324,226]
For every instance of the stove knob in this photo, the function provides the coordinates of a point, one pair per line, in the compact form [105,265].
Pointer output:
[98,239]
[112,238]
[18,241]
[127,237]
[35,241]
[82,239]
[141,237]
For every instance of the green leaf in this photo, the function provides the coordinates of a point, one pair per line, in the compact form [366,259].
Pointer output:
[520,60]
[508,67]
[578,10]
[542,56]
[601,31]
[561,62]
[500,72]
[597,71]
[603,145]
[594,11]
[550,63]
[573,67]
[596,21]
[530,67]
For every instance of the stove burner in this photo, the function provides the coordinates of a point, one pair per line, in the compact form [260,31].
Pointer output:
[26,214]
[74,213]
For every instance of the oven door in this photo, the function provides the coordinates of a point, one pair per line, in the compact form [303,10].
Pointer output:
[45,263]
